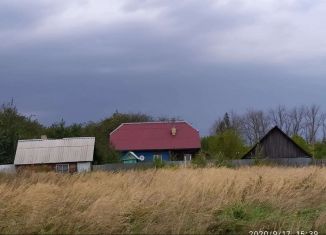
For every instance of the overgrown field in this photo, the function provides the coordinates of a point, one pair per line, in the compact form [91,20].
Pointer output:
[213,200]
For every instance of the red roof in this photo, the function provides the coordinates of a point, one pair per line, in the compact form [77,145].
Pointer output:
[155,136]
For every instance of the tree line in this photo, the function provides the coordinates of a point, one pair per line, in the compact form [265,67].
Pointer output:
[15,126]
[231,135]
[306,125]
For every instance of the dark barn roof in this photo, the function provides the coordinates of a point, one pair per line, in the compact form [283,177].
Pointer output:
[277,144]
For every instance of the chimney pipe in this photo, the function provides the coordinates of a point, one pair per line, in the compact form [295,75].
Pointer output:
[173,131]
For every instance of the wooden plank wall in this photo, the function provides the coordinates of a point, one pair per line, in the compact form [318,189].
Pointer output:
[276,145]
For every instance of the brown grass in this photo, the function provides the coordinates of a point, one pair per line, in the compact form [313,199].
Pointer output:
[214,200]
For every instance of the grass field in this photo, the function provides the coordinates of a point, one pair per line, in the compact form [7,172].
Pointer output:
[213,200]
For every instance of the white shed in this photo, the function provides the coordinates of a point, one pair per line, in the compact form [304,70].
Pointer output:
[61,155]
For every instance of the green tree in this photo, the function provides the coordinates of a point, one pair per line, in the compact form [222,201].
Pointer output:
[60,130]
[222,125]
[15,126]
[302,143]
[199,160]
[320,150]
[229,144]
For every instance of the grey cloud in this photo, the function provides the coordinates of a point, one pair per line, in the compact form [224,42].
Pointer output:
[16,15]
[161,67]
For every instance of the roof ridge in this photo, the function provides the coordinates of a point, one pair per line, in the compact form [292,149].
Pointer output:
[70,138]
[155,122]
[76,138]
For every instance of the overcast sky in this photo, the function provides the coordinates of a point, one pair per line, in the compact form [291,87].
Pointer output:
[82,60]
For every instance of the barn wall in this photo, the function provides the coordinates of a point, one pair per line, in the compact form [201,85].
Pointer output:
[46,167]
[274,162]
[276,145]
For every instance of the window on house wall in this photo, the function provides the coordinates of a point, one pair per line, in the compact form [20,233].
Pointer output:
[157,157]
[62,168]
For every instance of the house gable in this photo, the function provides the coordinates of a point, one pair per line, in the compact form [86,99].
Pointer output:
[131,157]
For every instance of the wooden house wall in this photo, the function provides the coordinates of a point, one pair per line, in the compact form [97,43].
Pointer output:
[47,167]
[167,155]
[276,145]
[178,155]
[148,154]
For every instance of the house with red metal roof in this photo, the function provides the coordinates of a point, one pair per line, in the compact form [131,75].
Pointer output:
[147,141]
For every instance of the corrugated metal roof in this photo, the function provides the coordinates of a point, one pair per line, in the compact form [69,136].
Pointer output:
[55,151]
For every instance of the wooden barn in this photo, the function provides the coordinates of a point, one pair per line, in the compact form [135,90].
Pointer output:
[276,145]
[60,155]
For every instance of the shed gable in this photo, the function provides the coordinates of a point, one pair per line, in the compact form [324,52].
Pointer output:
[276,144]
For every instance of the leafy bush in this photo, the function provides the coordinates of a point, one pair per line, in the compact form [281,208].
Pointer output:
[199,160]
[220,161]
[302,143]
[228,143]
[158,163]
[320,150]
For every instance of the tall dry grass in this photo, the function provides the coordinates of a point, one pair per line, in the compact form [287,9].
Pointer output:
[215,200]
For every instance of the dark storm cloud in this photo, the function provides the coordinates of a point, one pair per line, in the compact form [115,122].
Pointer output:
[192,59]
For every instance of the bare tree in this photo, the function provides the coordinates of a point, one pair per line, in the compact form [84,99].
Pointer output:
[313,121]
[324,127]
[296,117]
[215,128]
[231,120]
[280,117]
[236,122]
[255,124]
[305,121]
